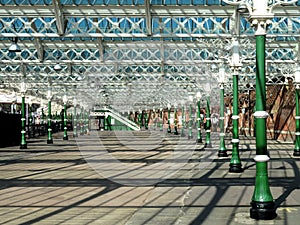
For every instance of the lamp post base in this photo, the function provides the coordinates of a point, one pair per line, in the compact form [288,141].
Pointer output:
[182,135]
[190,137]
[65,138]
[296,153]
[49,141]
[235,168]
[263,210]
[208,145]
[199,140]
[23,146]
[222,153]
[75,135]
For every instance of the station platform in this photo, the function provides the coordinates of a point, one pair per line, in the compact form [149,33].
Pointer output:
[144,177]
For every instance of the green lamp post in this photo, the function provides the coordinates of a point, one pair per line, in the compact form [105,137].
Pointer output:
[297,116]
[262,204]
[154,117]
[23,144]
[75,134]
[190,134]
[140,118]
[235,165]
[82,121]
[86,121]
[65,101]
[199,135]
[183,120]
[175,120]
[31,125]
[207,88]
[146,117]
[169,119]
[49,97]
[42,130]
[222,148]
[161,128]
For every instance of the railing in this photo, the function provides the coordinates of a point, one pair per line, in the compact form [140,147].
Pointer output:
[122,119]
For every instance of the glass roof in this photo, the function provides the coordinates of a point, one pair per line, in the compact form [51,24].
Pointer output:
[112,2]
[132,48]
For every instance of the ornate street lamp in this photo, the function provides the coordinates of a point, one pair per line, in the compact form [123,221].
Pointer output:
[31,128]
[42,130]
[82,120]
[86,120]
[222,149]
[57,67]
[146,119]
[23,90]
[199,136]
[161,128]
[297,116]
[235,165]
[175,119]
[140,118]
[169,118]
[14,47]
[75,119]
[207,89]
[190,135]
[49,97]
[262,205]
[65,101]
[182,119]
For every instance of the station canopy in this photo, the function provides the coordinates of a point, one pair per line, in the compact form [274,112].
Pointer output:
[137,54]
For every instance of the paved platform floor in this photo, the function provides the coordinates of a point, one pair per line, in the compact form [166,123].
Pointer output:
[132,178]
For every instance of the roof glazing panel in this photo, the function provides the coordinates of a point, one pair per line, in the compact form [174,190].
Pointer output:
[113,2]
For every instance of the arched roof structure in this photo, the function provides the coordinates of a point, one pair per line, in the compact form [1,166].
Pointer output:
[136,53]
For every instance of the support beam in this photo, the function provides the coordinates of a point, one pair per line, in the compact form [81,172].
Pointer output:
[129,10]
[37,42]
[60,20]
[101,49]
[39,48]
[148,17]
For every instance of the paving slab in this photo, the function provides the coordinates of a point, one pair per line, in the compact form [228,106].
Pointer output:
[145,177]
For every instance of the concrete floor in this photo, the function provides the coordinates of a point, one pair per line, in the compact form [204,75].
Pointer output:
[146,177]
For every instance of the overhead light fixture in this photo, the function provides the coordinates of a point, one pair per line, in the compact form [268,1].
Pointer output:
[57,67]
[242,8]
[80,78]
[14,47]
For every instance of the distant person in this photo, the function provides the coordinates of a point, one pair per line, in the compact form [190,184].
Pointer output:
[214,121]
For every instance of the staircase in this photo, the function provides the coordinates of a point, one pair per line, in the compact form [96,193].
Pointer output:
[117,116]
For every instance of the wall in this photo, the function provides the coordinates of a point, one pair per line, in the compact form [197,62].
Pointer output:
[10,129]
